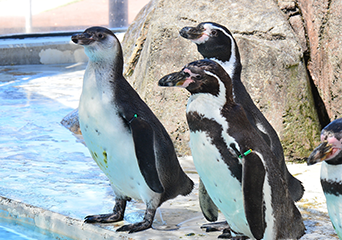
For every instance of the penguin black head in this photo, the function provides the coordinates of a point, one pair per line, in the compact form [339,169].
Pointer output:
[99,43]
[330,148]
[202,76]
[213,40]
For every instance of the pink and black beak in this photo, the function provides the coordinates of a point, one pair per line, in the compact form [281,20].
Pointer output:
[82,38]
[330,148]
[324,151]
[176,79]
[192,33]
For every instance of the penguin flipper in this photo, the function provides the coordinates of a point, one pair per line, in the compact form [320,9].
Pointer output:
[296,187]
[143,138]
[252,186]
[208,207]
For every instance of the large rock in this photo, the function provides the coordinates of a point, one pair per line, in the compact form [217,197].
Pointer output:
[272,57]
[323,20]
[307,37]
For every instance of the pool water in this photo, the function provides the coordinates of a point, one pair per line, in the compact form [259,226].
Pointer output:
[14,230]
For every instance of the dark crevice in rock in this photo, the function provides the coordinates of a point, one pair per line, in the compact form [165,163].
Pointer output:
[322,113]
[321,110]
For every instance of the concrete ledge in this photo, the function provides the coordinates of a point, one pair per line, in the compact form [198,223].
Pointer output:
[54,222]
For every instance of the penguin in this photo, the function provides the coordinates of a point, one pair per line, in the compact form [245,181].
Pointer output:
[236,165]
[330,154]
[124,137]
[216,42]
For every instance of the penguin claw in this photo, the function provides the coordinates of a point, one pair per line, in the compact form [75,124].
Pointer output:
[137,227]
[103,218]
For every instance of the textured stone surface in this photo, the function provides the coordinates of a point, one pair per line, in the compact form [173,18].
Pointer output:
[294,17]
[323,27]
[272,59]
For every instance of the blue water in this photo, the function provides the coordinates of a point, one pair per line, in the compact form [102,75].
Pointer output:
[13,230]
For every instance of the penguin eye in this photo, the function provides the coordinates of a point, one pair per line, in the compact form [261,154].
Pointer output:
[197,77]
[100,35]
[214,33]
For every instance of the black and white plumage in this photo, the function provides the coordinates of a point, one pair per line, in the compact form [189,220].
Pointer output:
[215,42]
[123,135]
[330,154]
[249,190]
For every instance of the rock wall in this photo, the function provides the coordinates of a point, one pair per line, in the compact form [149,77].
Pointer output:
[274,66]
[322,20]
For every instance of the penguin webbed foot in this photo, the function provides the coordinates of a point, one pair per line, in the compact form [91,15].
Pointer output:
[140,226]
[103,218]
[116,216]
[136,227]
[217,226]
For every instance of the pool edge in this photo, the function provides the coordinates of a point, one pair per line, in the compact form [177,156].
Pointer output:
[54,222]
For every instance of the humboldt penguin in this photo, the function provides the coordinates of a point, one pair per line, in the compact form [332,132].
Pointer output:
[124,137]
[216,42]
[330,154]
[236,165]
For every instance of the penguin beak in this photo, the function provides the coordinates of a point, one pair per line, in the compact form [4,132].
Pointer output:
[176,79]
[191,33]
[82,38]
[322,152]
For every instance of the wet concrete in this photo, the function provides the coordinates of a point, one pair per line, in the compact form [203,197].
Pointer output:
[44,165]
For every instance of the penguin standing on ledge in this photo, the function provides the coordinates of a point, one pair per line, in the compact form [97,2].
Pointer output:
[215,42]
[124,137]
[330,154]
[236,165]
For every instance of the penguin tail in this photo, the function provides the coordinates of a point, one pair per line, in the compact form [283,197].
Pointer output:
[187,187]
[296,188]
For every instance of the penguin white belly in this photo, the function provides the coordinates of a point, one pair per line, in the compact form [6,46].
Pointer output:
[111,146]
[224,189]
[334,203]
